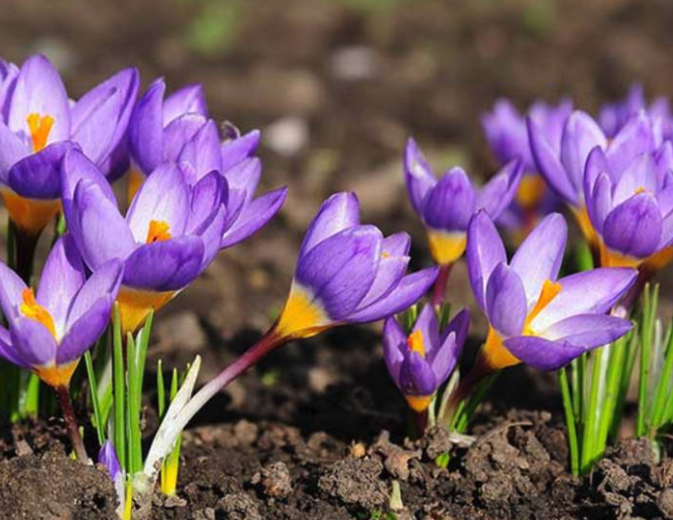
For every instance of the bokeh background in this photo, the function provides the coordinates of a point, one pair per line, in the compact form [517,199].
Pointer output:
[336,86]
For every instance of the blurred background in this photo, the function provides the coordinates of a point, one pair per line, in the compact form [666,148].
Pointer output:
[336,86]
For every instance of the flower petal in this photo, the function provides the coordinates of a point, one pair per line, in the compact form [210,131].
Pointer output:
[499,192]
[587,330]
[580,135]
[85,331]
[33,342]
[418,175]
[236,150]
[11,291]
[450,203]
[394,342]
[416,376]
[12,149]
[542,354]
[103,283]
[506,305]
[634,227]
[485,250]
[146,128]
[188,99]
[634,139]
[340,211]
[38,176]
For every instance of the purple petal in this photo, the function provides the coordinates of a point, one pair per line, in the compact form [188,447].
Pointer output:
[104,283]
[189,99]
[33,342]
[416,376]
[253,217]
[429,327]
[40,90]
[580,135]
[499,192]
[340,211]
[242,180]
[168,265]
[397,244]
[38,176]
[540,255]
[11,291]
[390,271]
[485,250]
[505,130]
[506,305]
[394,342]
[207,196]
[13,150]
[450,203]
[640,175]
[84,332]
[146,128]
[542,354]
[163,197]
[340,270]
[211,234]
[9,352]
[99,229]
[634,227]
[178,133]
[62,276]
[418,175]
[599,202]
[236,150]
[549,164]
[594,291]
[107,456]
[634,139]
[203,151]
[587,330]
[445,358]
[410,289]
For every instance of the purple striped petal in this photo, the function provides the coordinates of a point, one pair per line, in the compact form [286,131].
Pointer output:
[429,327]
[587,330]
[207,196]
[203,151]
[542,354]
[34,343]
[484,251]
[146,128]
[416,376]
[12,149]
[104,283]
[499,192]
[236,150]
[418,175]
[84,332]
[580,135]
[189,99]
[634,227]
[178,133]
[397,244]
[634,139]
[168,265]
[640,175]
[11,291]
[38,176]
[9,352]
[506,305]
[450,203]
[394,343]
[588,292]
[540,255]
[340,211]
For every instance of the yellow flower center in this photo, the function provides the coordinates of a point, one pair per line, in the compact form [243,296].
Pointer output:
[158,231]
[301,317]
[415,342]
[550,290]
[39,127]
[34,311]
[530,192]
[446,247]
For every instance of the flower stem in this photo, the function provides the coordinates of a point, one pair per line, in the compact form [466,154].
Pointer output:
[64,399]
[570,422]
[439,289]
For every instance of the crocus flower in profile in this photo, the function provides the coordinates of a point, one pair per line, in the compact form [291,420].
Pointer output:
[446,205]
[48,332]
[535,318]
[107,457]
[38,124]
[564,169]
[631,208]
[507,135]
[177,128]
[423,361]
[347,272]
[613,116]
[170,234]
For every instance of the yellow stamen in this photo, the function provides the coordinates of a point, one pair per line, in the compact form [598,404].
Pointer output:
[301,317]
[640,190]
[385,255]
[550,290]
[34,311]
[531,190]
[30,215]
[158,231]
[135,305]
[418,403]
[446,247]
[415,342]
[39,127]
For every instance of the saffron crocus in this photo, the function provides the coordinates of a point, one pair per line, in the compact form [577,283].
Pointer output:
[613,116]
[346,273]
[446,205]
[631,208]
[423,361]
[177,128]
[170,234]
[107,457]
[564,169]
[48,333]
[533,317]
[507,135]
[39,124]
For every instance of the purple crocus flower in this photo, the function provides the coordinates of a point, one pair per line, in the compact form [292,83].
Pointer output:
[535,318]
[507,135]
[48,333]
[107,457]
[564,169]
[613,116]
[631,208]
[446,205]
[348,273]
[421,362]
[38,124]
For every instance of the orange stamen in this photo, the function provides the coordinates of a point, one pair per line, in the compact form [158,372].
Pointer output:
[158,231]
[34,311]
[550,290]
[415,342]
[39,127]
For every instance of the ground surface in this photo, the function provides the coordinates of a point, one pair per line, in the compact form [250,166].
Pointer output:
[337,86]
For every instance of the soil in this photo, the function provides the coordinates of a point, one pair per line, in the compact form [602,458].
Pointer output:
[303,435]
